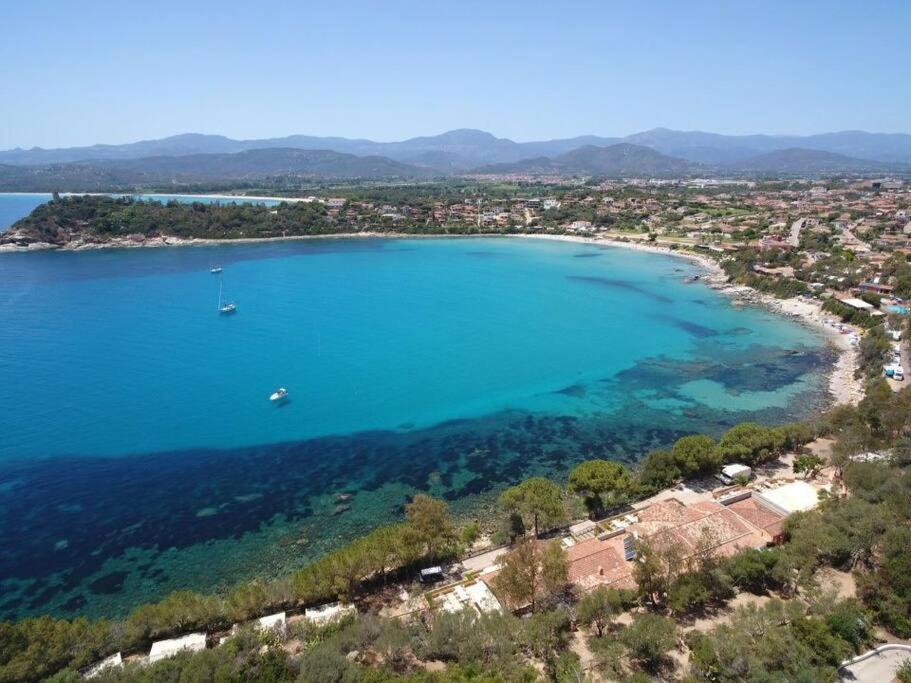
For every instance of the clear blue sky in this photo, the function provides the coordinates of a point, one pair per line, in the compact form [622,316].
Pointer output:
[76,73]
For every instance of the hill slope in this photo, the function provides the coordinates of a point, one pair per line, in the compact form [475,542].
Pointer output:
[798,161]
[249,166]
[621,159]
[712,148]
[469,148]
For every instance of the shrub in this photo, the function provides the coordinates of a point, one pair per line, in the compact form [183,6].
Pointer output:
[753,570]
[649,638]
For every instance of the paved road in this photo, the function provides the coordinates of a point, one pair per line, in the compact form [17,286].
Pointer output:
[880,668]
[796,227]
[484,560]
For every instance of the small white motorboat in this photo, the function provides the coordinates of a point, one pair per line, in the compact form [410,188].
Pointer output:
[215,270]
[280,394]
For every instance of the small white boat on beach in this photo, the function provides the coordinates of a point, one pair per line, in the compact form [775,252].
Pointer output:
[279,394]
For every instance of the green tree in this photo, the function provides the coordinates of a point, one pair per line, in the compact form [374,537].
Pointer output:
[603,483]
[598,607]
[658,563]
[538,500]
[753,570]
[649,638]
[658,470]
[469,534]
[808,465]
[547,635]
[428,518]
[696,454]
[750,443]
[533,572]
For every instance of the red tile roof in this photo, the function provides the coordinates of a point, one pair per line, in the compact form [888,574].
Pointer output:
[726,531]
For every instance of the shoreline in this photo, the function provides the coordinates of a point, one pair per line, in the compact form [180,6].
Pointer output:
[252,198]
[843,387]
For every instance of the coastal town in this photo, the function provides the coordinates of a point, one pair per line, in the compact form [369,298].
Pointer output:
[793,246]
[455,342]
[668,559]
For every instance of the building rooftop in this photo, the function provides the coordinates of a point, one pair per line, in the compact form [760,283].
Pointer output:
[476,595]
[273,622]
[857,303]
[794,497]
[194,642]
[115,659]
[325,614]
[726,529]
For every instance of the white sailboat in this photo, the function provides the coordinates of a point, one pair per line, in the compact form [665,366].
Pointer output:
[224,307]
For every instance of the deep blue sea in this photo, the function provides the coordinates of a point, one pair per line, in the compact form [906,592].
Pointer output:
[140,452]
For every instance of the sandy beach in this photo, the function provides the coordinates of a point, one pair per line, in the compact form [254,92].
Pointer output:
[844,387]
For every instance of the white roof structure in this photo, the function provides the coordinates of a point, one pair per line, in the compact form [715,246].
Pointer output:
[794,497]
[584,528]
[194,642]
[857,303]
[735,470]
[871,456]
[326,614]
[476,595]
[114,660]
[273,622]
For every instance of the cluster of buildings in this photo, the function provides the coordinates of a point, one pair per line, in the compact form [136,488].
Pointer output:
[722,522]
[864,216]
[195,642]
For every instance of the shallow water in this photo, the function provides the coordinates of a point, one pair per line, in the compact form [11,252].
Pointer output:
[140,452]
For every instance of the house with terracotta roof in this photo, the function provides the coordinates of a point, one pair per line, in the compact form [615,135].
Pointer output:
[741,521]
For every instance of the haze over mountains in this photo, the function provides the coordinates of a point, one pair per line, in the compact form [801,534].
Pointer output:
[195,158]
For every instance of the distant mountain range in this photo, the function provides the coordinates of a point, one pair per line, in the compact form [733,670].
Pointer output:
[628,160]
[622,159]
[468,148]
[798,161]
[250,166]
[195,158]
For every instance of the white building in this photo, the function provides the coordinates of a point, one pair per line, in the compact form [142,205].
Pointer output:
[859,304]
[730,473]
[194,642]
[326,614]
[115,659]
[273,622]
[476,596]
[797,496]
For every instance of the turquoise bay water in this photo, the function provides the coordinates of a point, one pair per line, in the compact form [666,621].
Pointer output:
[140,452]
